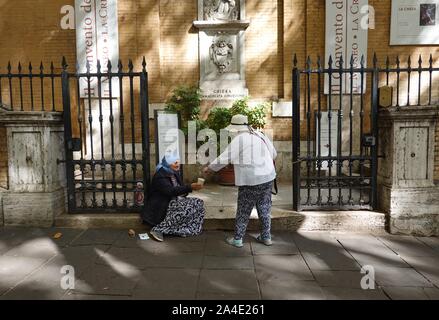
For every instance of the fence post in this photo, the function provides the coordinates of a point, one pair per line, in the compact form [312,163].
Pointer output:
[374,132]
[144,109]
[296,135]
[65,81]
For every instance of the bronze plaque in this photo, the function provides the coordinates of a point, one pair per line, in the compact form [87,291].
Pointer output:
[385,95]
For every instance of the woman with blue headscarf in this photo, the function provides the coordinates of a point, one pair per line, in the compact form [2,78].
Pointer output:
[167,208]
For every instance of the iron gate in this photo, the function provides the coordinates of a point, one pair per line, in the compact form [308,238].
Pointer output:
[336,166]
[107,138]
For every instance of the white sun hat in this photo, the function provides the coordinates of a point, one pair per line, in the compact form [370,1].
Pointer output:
[239,123]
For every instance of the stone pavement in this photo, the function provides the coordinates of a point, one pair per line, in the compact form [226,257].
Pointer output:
[108,264]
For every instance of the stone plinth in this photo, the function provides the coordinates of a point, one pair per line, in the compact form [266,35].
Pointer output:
[407,192]
[36,191]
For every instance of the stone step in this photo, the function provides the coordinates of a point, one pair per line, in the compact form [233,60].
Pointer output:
[222,218]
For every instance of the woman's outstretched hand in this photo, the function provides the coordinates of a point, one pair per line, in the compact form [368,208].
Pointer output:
[196,186]
[206,171]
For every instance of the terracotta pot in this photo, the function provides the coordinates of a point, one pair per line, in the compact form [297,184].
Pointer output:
[226,176]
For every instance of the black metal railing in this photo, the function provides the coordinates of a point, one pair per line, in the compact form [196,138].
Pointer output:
[25,89]
[336,168]
[106,128]
[107,170]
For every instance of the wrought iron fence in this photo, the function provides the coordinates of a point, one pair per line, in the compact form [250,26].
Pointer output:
[336,167]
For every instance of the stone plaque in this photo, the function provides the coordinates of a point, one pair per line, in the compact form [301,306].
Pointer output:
[230,93]
[283,109]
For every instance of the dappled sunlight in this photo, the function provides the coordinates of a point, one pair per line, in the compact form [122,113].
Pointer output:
[122,268]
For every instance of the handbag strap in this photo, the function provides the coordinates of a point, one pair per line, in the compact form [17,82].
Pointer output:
[276,191]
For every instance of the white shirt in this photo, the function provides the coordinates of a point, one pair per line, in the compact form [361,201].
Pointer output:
[252,159]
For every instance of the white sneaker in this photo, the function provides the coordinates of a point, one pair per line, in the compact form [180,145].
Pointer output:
[157,235]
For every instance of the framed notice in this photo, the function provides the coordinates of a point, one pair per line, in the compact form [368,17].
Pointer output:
[415,22]
[168,139]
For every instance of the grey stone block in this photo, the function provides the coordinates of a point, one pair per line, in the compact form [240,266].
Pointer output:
[291,290]
[170,284]
[215,262]
[339,279]
[407,293]
[282,267]
[353,294]
[400,277]
[229,282]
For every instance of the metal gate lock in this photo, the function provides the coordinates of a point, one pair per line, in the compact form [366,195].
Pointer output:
[369,140]
[75,144]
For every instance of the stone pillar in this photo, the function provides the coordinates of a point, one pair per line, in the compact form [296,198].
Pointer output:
[37,184]
[407,192]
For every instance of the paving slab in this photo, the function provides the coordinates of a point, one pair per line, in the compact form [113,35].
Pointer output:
[400,277]
[316,241]
[368,250]
[339,279]
[104,280]
[16,269]
[353,294]
[282,267]
[432,293]
[223,296]
[291,290]
[169,284]
[335,260]
[407,246]
[98,236]
[143,259]
[79,296]
[228,282]
[427,266]
[407,293]
[432,242]
[43,248]
[215,262]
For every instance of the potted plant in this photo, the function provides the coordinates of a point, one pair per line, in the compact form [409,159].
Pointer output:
[187,101]
[220,118]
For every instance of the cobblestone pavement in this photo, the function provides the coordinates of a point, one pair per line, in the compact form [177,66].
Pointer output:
[109,264]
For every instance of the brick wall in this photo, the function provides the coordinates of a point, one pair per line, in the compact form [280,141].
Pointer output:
[161,30]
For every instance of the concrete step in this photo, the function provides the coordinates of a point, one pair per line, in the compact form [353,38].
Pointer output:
[222,218]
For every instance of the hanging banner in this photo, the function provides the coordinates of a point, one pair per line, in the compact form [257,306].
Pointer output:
[346,36]
[97,38]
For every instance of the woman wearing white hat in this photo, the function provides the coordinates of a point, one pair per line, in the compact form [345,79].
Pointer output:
[252,155]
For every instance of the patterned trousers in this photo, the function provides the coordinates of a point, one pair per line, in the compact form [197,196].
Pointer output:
[248,198]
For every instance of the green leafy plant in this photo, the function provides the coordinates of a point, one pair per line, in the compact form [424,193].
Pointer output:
[186,100]
[218,119]
[256,115]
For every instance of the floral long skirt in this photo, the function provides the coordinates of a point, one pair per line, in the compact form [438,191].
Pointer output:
[185,217]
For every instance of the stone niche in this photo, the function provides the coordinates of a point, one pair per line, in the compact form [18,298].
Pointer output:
[222,25]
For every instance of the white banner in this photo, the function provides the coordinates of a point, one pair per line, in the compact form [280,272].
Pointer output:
[346,36]
[97,38]
[415,22]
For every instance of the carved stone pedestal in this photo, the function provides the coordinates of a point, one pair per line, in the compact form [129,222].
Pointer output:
[36,191]
[222,25]
[407,192]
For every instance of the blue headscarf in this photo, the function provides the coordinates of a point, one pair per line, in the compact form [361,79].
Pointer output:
[166,163]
